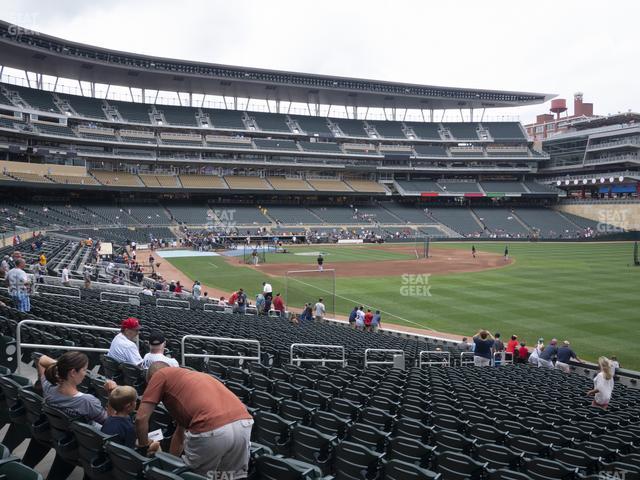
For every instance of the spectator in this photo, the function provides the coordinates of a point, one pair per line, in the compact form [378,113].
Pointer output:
[19,286]
[522,353]
[368,318]
[86,275]
[278,304]
[213,427]
[172,286]
[307,314]
[535,355]
[241,302]
[498,348]
[123,349]
[565,355]
[232,299]
[360,318]
[614,364]
[60,379]
[122,403]
[42,259]
[545,359]
[196,291]
[38,273]
[352,317]
[319,310]
[222,302]
[602,385]
[178,289]
[512,345]
[484,348]
[65,277]
[157,344]
[376,321]
[147,291]
[267,304]
[15,256]
[260,303]
[4,266]
[464,346]
[267,290]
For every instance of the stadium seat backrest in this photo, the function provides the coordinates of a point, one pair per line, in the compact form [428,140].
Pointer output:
[18,471]
[64,442]
[91,450]
[398,470]
[269,467]
[127,463]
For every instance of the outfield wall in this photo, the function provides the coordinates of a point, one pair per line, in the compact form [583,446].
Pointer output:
[622,215]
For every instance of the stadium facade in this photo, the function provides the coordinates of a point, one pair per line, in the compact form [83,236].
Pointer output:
[58,147]
[596,158]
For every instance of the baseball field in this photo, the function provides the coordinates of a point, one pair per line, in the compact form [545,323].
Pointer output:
[588,293]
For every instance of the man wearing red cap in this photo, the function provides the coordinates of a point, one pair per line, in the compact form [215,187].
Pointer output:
[123,347]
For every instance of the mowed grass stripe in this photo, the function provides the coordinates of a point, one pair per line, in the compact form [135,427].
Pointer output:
[586,293]
[337,254]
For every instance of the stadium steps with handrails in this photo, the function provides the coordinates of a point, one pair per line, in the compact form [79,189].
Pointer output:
[568,219]
[521,222]
[476,217]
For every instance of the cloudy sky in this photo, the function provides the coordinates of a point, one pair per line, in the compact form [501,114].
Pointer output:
[546,46]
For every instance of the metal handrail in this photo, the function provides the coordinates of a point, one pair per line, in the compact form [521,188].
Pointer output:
[445,362]
[38,286]
[188,305]
[502,358]
[20,345]
[222,339]
[311,360]
[381,362]
[217,309]
[466,362]
[96,285]
[130,299]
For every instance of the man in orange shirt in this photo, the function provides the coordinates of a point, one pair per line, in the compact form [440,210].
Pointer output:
[213,426]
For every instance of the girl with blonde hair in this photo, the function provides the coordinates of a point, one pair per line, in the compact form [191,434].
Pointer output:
[602,384]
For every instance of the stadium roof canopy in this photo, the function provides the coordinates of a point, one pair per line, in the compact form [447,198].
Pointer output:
[624,118]
[36,52]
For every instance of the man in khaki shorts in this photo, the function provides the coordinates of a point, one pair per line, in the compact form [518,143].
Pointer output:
[213,426]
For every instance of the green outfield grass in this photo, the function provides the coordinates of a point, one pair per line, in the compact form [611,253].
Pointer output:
[336,253]
[587,293]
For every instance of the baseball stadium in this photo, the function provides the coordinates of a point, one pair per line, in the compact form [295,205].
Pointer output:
[188,196]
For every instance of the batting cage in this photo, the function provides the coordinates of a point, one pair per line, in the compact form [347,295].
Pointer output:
[307,286]
[421,247]
[255,254]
